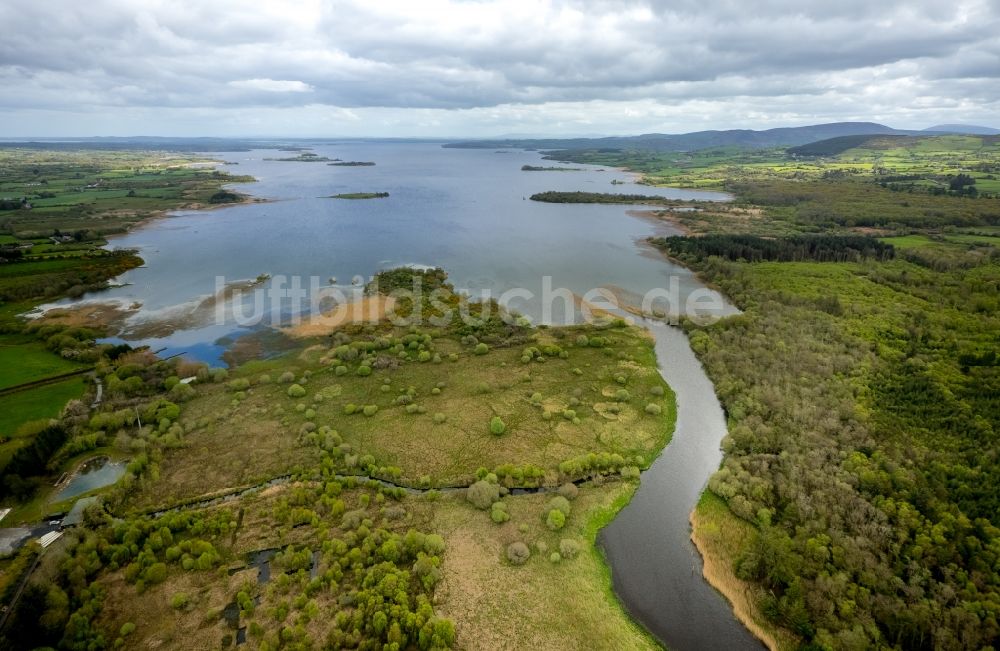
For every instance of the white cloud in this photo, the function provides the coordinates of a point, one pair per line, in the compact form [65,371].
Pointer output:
[454,67]
[273,85]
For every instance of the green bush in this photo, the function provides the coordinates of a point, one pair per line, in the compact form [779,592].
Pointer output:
[370,410]
[481,349]
[296,391]
[239,384]
[286,377]
[561,504]
[340,370]
[179,601]
[127,629]
[656,390]
[555,520]
[439,418]
[555,557]
[364,371]
[482,494]
[622,395]
[653,409]
[155,573]
[518,553]
[498,512]
[497,426]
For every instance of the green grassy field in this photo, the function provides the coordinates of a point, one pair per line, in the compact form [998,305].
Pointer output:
[24,359]
[37,403]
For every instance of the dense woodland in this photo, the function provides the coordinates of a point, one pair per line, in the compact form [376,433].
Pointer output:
[864,402]
[751,248]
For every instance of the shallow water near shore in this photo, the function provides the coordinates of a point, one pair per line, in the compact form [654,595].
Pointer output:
[466,211]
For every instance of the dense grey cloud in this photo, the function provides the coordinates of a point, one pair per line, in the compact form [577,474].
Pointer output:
[446,67]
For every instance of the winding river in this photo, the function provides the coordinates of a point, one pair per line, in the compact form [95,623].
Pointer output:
[466,211]
[655,568]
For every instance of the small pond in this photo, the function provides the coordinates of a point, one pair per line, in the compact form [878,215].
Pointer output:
[93,474]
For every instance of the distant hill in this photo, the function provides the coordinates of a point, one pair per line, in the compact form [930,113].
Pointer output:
[970,129]
[783,136]
[933,139]
[834,146]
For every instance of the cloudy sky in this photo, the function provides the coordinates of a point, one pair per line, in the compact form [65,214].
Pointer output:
[490,67]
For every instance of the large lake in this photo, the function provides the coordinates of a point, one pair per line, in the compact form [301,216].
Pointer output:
[464,210]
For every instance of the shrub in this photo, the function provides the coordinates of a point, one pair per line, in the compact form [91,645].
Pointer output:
[424,356]
[498,512]
[350,408]
[569,490]
[518,553]
[286,377]
[481,349]
[239,384]
[556,520]
[127,629]
[440,418]
[568,414]
[653,409]
[364,371]
[264,378]
[561,504]
[656,390]
[482,494]
[497,426]
[296,391]
[569,548]
[181,392]
[155,573]
[622,395]
[340,370]
[179,601]
[555,557]
[433,544]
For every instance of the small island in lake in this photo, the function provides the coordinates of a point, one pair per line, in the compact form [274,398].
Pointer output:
[538,168]
[597,197]
[304,157]
[352,163]
[360,195]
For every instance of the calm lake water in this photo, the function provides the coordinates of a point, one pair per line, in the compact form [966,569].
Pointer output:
[466,211]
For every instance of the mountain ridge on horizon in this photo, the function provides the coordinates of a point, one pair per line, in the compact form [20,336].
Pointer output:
[750,138]
[690,141]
